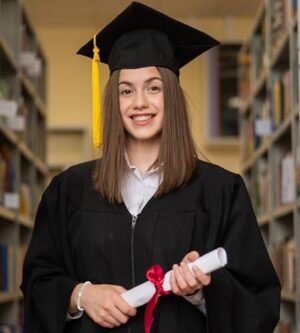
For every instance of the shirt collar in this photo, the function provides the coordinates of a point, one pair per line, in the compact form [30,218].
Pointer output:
[133,168]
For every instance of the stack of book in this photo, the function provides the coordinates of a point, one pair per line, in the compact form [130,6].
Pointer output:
[8,189]
[284,256]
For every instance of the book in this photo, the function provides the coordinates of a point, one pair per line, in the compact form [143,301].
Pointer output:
[288,189]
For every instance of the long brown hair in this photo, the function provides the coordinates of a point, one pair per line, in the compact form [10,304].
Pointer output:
[177,154]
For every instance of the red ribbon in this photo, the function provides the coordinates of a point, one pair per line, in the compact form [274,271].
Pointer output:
[156,275]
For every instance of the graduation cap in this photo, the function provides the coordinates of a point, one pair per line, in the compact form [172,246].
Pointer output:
[140,37]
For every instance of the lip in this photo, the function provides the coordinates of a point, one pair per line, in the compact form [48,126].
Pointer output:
[142,122]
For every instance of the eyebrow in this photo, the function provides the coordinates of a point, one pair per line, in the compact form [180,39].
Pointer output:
[147,81]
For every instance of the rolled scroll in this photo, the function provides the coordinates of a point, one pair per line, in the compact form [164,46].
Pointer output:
[208,263]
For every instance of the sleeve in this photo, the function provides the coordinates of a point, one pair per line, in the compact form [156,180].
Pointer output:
[198,300]
[48,274]
[245,295]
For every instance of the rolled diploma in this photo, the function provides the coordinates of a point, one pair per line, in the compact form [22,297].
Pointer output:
[208,263]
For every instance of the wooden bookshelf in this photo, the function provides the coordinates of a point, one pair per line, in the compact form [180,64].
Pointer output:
[23,169]
[270,140]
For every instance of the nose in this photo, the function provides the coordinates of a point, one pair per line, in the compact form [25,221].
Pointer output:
[140,101]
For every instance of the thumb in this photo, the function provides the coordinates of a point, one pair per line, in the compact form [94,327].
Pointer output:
[191,256]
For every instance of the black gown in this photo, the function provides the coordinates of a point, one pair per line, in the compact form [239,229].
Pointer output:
[80,236]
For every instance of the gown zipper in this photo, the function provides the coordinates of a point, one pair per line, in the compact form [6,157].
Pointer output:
[133,223]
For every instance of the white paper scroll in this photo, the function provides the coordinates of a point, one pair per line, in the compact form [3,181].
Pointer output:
[208,263]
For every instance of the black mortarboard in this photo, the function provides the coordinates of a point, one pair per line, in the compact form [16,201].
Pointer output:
[141,36]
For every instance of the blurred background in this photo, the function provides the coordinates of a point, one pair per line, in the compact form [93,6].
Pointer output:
[243,99]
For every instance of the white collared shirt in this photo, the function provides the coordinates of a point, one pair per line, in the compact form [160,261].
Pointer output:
[138,189]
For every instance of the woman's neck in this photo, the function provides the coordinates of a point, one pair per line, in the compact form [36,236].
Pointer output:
[142,154]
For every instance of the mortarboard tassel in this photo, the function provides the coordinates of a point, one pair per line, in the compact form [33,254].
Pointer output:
[97,120]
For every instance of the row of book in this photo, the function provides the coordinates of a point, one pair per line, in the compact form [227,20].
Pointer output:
[260,187]
[266,116]
[8,187]
[286,326]
[31,60]
[10,196]
[21,120]
[284,171]
[11,263]
[283,190]
[245,87]
[279,21]
[259,57]
[14,326]
[7,266]
[7,328]
[284,259]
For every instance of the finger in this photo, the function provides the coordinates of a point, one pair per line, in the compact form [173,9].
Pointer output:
[191,256]
[189,277]
[110,319]
[104,319]
[118,315]
[173,284]
[123,306]
[180,281]
[204,279]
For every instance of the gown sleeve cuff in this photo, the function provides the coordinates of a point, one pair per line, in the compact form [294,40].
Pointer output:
[76,315]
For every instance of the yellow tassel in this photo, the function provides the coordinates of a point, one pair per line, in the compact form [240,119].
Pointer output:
[97,119]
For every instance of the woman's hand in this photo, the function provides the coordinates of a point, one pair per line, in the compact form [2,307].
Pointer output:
[103,304]
[183,282]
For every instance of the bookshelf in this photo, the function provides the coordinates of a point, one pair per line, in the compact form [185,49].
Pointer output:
[23,171]
[270,142]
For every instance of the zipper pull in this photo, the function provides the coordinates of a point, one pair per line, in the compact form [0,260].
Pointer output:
[133,221]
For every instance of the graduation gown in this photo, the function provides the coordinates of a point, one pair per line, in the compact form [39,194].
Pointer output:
[79,236]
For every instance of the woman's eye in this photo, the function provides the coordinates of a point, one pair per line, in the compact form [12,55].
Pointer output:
[125,92]
[154,89]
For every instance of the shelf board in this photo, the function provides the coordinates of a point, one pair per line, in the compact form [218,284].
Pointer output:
[288,296]
[10,135]
[282,128]
[264,219]
[7,214]
[29,87]
[6,297]
[283,210]
[25,221]
[257,154]
[230,142]
[8,53]
[40,105]
[41,166]
[26,151]
[260,83]
[258,18]
[245,107]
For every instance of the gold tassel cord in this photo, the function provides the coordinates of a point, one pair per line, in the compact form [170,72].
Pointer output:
[97,120]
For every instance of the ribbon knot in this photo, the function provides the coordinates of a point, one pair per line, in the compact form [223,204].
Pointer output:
[155,274]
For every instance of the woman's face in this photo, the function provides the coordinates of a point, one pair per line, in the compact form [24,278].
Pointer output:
[141,103]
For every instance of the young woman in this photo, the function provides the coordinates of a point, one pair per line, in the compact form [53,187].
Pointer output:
[101,225]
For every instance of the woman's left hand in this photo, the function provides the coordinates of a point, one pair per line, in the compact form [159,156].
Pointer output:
[183,281]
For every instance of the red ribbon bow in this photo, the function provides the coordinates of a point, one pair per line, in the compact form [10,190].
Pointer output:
[156,275]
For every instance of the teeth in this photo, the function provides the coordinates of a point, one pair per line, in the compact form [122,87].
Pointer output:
[142,117]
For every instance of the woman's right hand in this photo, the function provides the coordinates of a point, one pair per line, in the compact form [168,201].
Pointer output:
[103,304]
